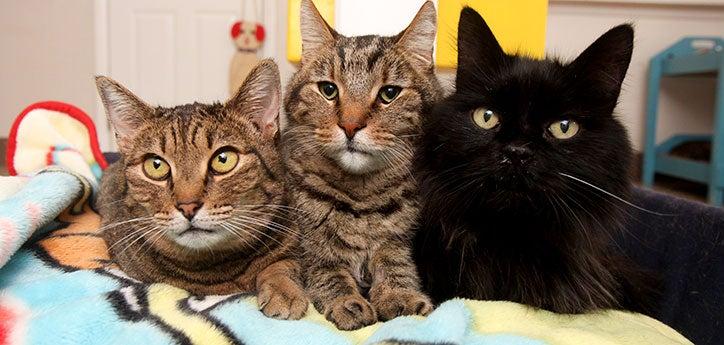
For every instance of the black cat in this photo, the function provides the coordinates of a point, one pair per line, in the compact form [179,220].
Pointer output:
[520,173]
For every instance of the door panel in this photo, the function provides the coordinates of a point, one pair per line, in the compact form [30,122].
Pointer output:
[172,51]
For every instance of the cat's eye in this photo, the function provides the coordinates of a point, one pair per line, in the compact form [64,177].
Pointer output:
[224,161]
[388,93]
[156,168]
[485,118]
[564,129]
[328,90]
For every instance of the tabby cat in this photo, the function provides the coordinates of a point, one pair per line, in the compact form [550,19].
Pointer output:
[520,170]
[354,110]
[197,199]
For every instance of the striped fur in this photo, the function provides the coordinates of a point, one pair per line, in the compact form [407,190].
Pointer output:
[359,207]
[238,241]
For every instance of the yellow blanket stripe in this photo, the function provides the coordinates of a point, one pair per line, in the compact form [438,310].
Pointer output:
[163,302]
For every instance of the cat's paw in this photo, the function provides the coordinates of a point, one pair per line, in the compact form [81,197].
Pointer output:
[282,299]
[351,312]
[394,303]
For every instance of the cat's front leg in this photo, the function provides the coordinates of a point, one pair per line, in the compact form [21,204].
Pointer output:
[395,284]
[279,293]
[335,294]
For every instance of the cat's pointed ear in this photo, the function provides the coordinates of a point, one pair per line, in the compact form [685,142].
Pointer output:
[316,33]
[479,52]
[419,37]
[602,67]
[259,98]
[126,112]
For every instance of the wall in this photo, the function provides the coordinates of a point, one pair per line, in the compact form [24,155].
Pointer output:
[47,54]
[686,103]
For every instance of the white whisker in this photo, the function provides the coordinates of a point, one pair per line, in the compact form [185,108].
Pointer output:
[614,196]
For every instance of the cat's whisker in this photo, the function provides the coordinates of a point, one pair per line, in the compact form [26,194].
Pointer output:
[583,229]
[98,206]
[151,240]
[130,235]
[613,195]
[624,210]
[251,231]
[234,229]
[112,225]
[271,225]
[140,237]
[283,207]
[273,215]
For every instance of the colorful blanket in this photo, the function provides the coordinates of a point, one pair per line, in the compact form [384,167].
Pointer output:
[58,284]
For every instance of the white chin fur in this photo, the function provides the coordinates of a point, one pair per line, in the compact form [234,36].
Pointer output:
[200,240]
[196,239]
[357,162]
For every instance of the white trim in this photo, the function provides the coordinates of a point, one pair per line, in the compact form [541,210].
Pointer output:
[102,67]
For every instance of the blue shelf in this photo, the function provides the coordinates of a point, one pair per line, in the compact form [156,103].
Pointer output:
[692,64]
[689,56]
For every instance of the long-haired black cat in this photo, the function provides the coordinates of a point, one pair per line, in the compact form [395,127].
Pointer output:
[518,170]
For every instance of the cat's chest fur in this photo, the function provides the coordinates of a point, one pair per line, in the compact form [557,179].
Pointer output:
[349,219]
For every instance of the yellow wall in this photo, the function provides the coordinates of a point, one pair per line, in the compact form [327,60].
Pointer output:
[294,35]
[519,26]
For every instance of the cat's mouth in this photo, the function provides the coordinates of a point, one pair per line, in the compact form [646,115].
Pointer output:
[196,231]
[352,148]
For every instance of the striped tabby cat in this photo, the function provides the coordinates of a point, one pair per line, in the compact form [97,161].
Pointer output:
[196,199]
[354,111]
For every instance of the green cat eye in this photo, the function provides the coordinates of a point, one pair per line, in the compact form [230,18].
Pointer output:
[328,90]
[224,161]
[564,129]
[155,168]
[388,93]
[485,118]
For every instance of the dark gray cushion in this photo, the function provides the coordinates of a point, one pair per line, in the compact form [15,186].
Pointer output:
[687,250]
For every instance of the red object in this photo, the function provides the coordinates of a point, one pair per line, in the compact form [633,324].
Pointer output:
[62,107]
[259,32]
[235,30]
[8,319]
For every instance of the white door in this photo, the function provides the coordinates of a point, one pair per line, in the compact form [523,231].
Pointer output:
[167,52]
[172,51]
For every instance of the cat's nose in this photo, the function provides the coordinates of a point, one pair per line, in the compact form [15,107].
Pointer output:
[351,127]
[189,209]
[517,153]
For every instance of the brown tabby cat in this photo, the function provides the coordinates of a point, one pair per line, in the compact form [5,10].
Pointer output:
[354,111]
[196,198]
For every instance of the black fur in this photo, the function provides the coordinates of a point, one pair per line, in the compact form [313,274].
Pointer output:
[499,221]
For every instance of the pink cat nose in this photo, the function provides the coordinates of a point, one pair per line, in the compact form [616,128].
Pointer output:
[189,209]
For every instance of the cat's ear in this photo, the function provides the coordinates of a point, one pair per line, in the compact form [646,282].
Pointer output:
[479,52]
[259,98]
[419,37]
[126,112]
[316,33]
[601,68]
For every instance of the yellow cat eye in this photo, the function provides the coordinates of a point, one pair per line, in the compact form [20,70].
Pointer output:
[564,129]
[156,168]
[388,93]
[328,90]
[485,118]
[224,161]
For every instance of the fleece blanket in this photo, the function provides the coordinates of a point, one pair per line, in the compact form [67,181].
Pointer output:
[58,285]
